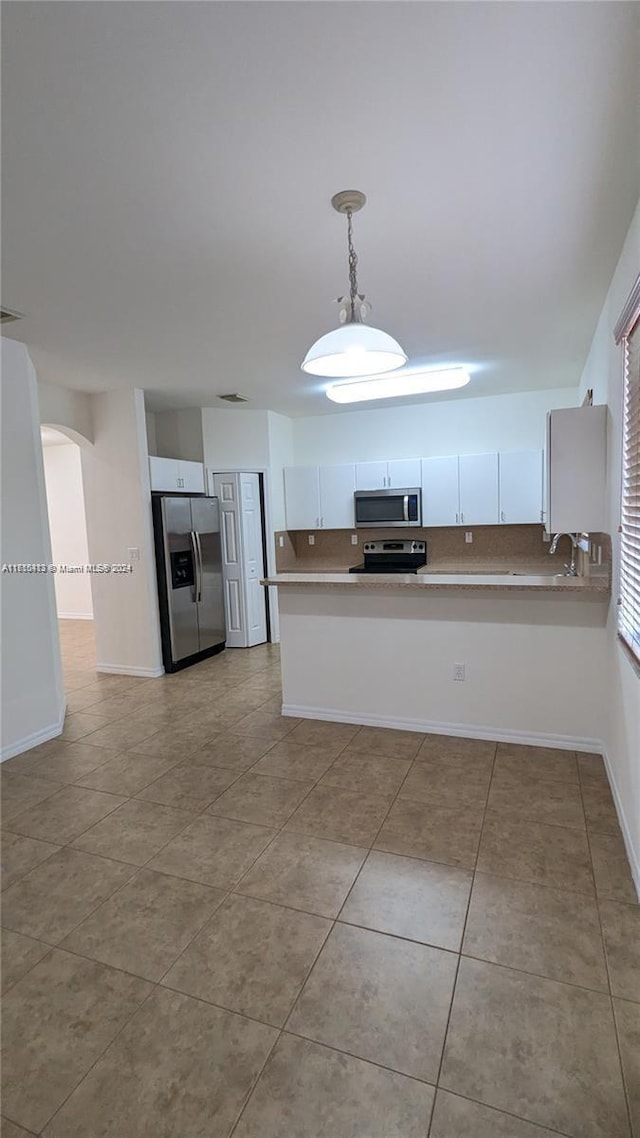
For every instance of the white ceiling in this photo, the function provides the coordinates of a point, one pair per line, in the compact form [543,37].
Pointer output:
[168,169]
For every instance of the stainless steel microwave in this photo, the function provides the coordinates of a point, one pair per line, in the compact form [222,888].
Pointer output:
[386,508]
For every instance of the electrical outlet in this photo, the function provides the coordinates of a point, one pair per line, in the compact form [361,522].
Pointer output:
[354,539]
[133,553]
[458,671]
[468,537]
[312,539]
[281,541]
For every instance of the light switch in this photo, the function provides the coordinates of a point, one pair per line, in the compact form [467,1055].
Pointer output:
[468,537]
[133,553]
[312,539]
[281,541]
[354,539]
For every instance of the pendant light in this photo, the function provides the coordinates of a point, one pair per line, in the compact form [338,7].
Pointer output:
[354,349]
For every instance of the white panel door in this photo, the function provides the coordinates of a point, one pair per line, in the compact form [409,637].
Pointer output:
[520,486]
[440,495]
[253,559]
[302,497]
[337,486]
[478,489]
[192,475]
[403,472]
[371,475]
[242,560]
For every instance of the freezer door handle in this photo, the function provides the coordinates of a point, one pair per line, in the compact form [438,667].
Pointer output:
[199,563]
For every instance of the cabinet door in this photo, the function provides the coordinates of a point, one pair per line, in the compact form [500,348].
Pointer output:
[520,486]
[403,472]
[371,475]
[337,484]
[440,499]
[478,489]
[192,475]
[164,474]
[302,497]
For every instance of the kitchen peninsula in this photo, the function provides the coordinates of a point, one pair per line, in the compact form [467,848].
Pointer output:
[384,650]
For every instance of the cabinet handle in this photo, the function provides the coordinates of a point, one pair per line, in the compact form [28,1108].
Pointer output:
[321,523]
[502,518]
[457,519]
[462,518]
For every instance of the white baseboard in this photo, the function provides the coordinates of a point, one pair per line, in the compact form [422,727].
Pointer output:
[633,858]
[29,741]
[75,616]
[464,730]
[127,670]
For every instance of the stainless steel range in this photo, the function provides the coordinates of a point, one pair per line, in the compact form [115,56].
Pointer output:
[392,557]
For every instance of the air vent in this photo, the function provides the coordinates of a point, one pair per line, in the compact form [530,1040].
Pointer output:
[6,315]
[235,397]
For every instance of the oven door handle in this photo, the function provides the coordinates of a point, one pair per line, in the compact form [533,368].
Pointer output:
[406,507]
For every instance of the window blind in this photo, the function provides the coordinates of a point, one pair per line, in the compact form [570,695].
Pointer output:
[629,601]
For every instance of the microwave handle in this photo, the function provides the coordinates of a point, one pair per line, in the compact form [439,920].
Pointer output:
[406,507]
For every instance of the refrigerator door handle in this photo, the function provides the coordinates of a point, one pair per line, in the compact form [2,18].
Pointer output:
[195,552]
[198,566]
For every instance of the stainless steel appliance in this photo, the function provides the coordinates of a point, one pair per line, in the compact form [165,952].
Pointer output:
[385,508]
[189,570]
[392,557]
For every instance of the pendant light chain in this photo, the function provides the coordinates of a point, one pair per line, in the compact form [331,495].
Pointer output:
[353,267]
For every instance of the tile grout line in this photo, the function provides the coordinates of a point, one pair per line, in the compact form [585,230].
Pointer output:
[462,935]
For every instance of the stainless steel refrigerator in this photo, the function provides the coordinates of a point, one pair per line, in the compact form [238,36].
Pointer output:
[189,569]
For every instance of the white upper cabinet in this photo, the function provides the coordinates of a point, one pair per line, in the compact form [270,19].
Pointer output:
[337,486]
[170,474]
[521,486]
[576,469]
[319,497]
[403,472]
[371,475]
[478,475]
[440,491]
[302,497]
[397,473]
[192,474]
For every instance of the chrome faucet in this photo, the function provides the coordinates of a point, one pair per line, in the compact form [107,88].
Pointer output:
[575,545]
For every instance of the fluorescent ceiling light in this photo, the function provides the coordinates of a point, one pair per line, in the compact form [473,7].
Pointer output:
[401,383]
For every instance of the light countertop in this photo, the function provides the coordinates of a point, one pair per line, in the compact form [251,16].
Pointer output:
[518,577]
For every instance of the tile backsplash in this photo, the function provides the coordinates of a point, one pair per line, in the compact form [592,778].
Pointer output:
[333,548]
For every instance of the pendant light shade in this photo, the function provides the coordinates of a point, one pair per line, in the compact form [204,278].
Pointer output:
[353,350]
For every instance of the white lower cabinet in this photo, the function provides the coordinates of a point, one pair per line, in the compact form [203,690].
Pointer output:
[320,497]
[440,491]
[479,500]
[521,486]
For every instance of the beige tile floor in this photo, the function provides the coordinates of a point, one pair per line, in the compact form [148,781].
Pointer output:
[220,922]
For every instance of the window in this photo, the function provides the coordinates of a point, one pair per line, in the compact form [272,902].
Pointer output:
[627,332]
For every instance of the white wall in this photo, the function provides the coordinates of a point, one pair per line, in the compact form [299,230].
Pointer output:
[31,675]
[178,434]
[60,407]
[534,664]
[68,529]
[118,511]
[620,677]
[450,426]
[150,421]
